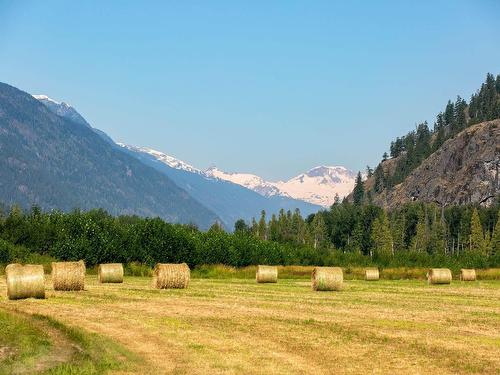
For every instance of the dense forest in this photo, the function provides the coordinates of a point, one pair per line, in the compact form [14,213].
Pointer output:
[346,234]
[413,148]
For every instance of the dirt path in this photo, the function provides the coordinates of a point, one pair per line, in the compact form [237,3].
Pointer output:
[62,348]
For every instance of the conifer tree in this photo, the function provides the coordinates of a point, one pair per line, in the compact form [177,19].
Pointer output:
[359,190]
[437,241]
[421,240]
[240,226]
[381,237]
[398,231]
[477,242]
[254,228]
[262,226]
[495,238]
[319,231]
[273,228]
[356,241]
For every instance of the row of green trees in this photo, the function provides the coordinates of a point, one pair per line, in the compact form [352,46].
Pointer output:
[98,237]
[346,234]
[466,232]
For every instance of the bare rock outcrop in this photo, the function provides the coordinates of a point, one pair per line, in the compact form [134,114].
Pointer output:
[463,170]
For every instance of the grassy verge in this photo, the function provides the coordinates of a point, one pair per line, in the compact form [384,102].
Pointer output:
[21,342]
[304,272]
[26,344]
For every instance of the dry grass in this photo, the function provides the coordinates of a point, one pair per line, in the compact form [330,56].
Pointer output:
[241,327]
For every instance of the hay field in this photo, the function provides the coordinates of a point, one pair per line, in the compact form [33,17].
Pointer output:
[241,327]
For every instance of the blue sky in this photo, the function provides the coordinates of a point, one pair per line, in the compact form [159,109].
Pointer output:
[268,87]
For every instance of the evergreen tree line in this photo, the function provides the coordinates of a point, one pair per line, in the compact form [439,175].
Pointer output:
[346,235]
[470,234]
[413,148]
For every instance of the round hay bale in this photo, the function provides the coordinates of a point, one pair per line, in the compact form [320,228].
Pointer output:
[266,274]
[25,281]
[171,276]
[68,275]
[439,276]
[467,274]
[327,278]
[372,274]
[110,273]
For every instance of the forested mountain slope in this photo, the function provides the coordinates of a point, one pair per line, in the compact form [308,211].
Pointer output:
[463,170]
[55,163]
[454,163]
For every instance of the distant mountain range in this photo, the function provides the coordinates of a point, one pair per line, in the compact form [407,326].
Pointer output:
[59,162]
[227,196]
[232,195]
[318,186]
[222,200]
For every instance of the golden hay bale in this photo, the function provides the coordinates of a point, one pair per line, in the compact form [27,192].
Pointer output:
[439,276]
[372,274]
[327,278]
[171,276]
[110,273]
[68,275]
[267,274]
[467,274]
[25,281]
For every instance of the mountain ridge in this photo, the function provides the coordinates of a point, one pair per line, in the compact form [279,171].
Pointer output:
[57,163]
[229,201]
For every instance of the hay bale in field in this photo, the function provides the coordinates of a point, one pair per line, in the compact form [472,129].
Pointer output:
[372,274]
[467,274]
[68,275]
[25,281]
[439,276]
[171,276]
[266,274]
[327,278]
[110,273]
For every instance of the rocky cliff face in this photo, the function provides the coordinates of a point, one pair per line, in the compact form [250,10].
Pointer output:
[463,170]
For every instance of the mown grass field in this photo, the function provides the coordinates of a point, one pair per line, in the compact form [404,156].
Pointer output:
[235,326]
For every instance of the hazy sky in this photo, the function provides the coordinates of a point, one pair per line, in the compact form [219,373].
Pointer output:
[268,87]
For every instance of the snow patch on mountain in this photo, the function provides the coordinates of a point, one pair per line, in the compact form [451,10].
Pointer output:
[62,109]
[250,181]
[163,158]
[319,185]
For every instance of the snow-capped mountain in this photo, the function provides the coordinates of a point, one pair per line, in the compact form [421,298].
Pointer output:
[62,109]
[319,185]
[164,158]
[250,181]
